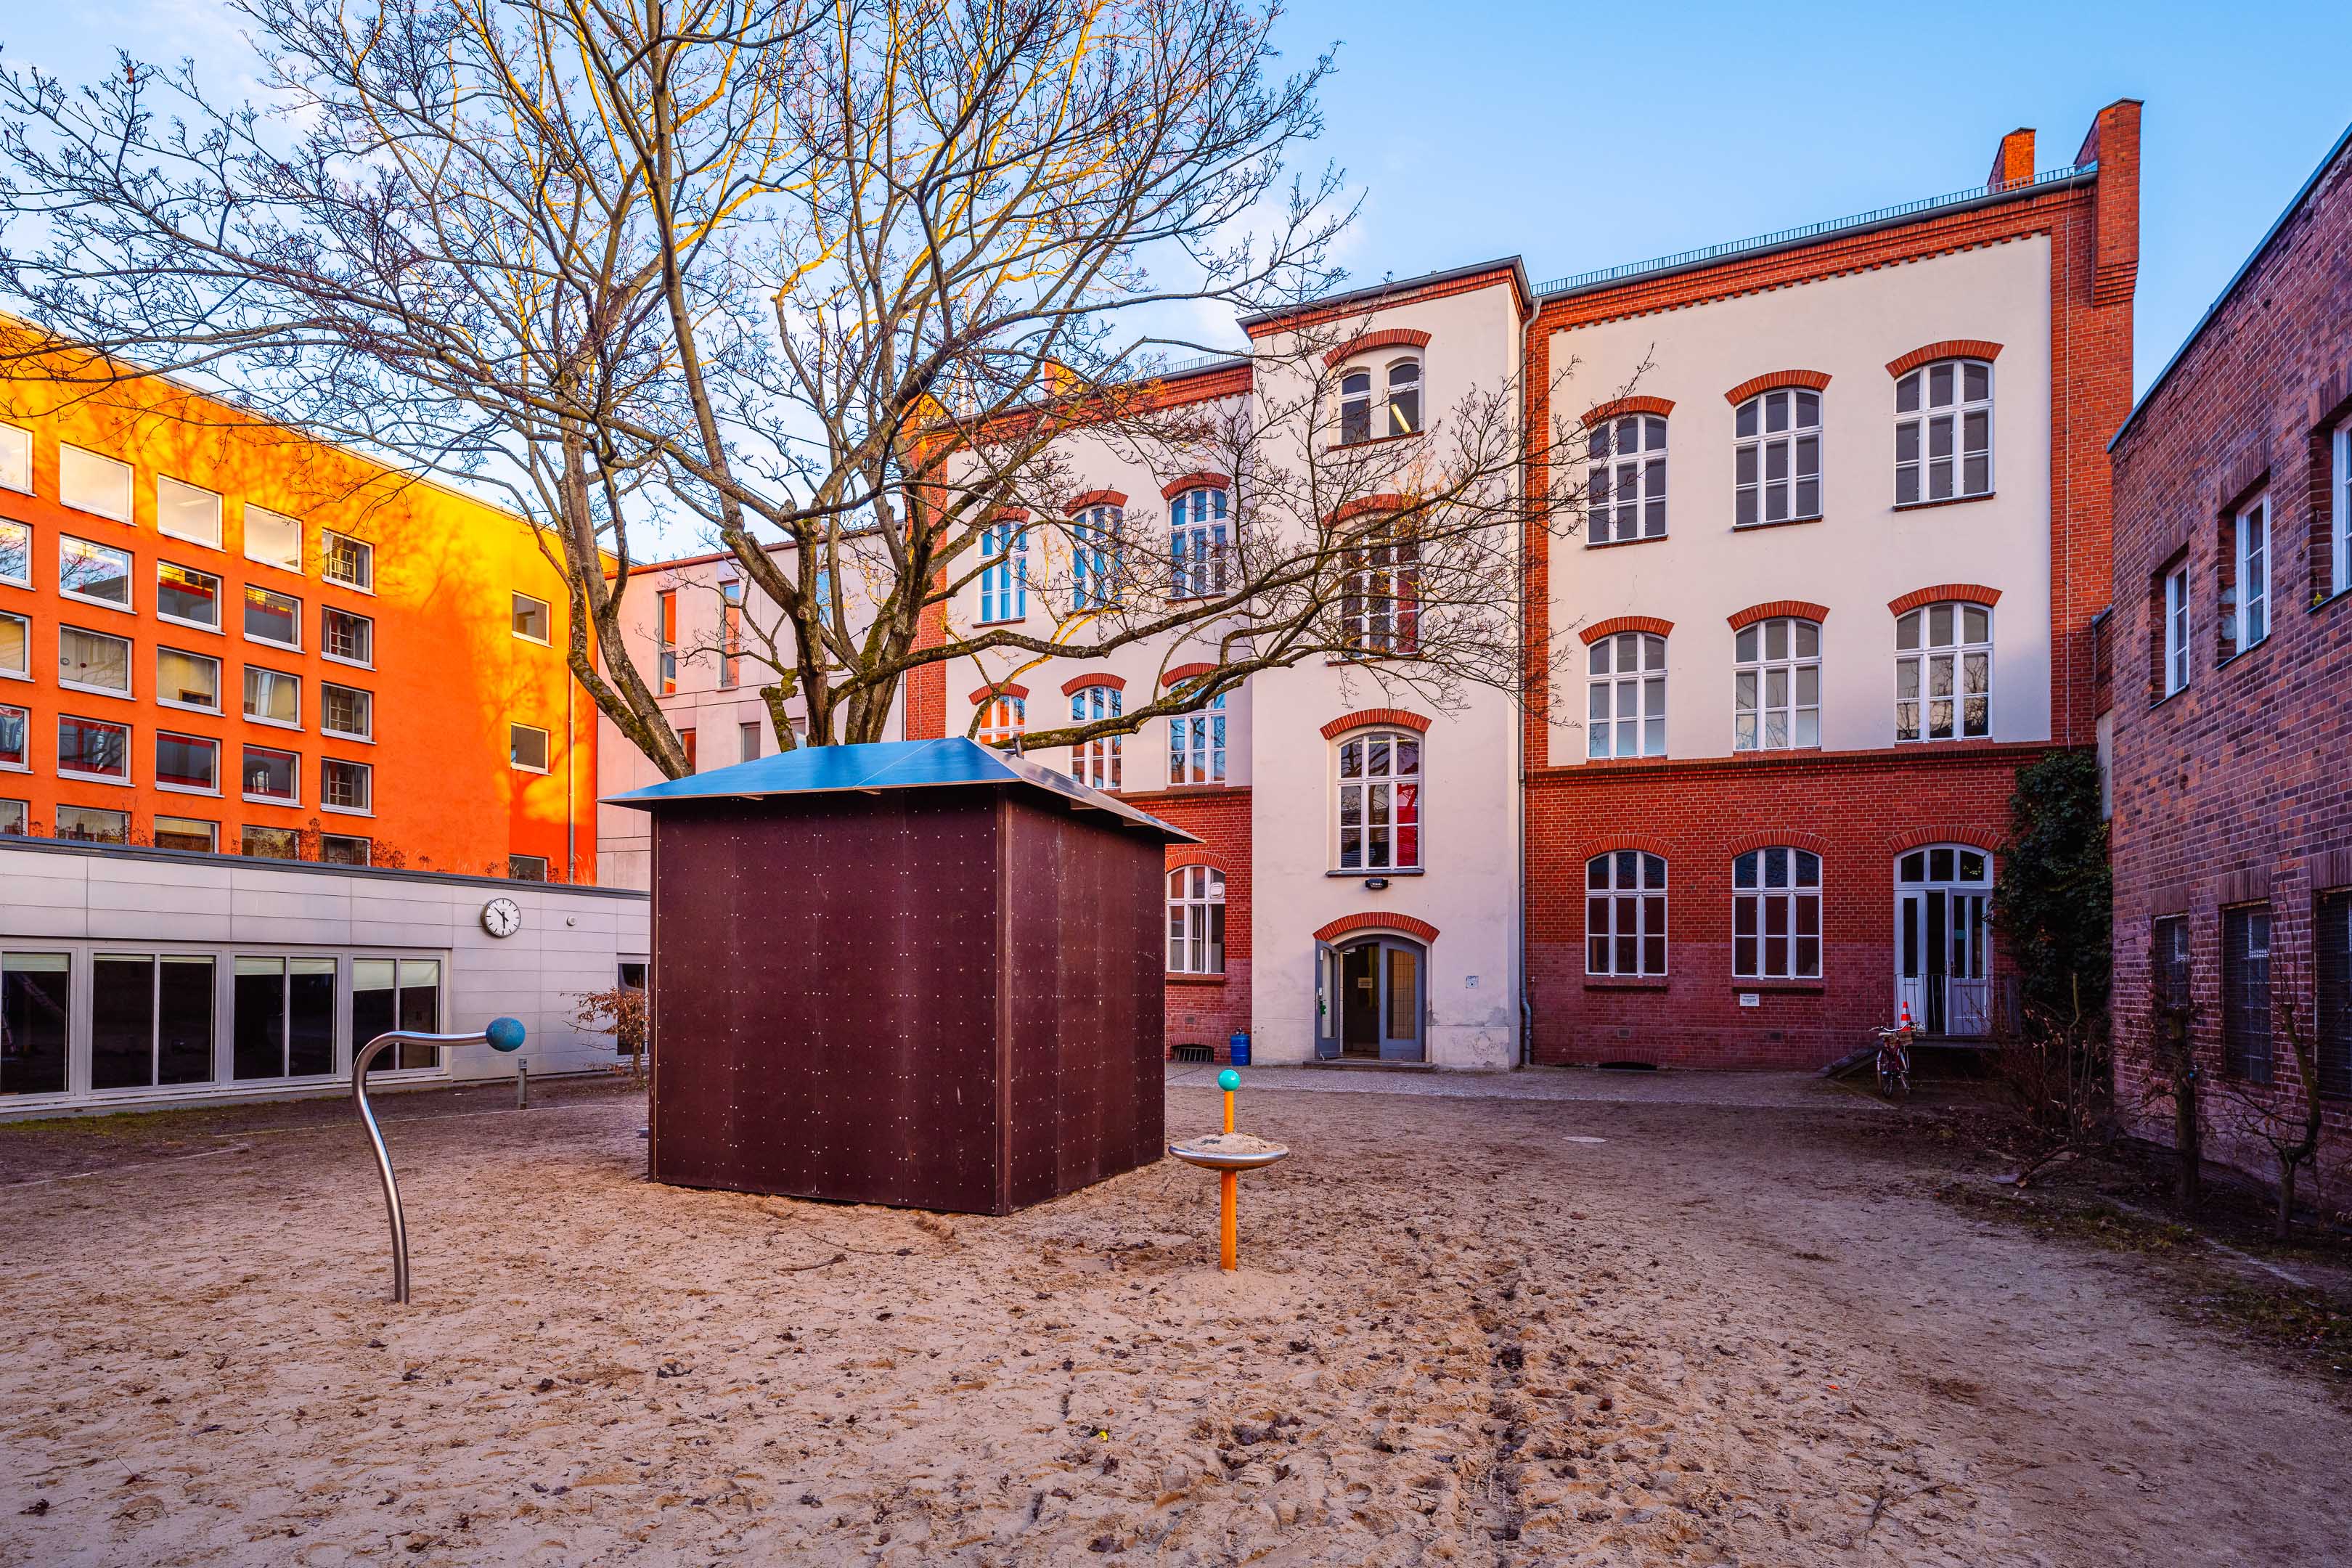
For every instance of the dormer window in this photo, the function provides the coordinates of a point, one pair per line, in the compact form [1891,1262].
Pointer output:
[1395,387]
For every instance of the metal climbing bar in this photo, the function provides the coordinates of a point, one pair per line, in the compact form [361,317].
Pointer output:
[503,1034]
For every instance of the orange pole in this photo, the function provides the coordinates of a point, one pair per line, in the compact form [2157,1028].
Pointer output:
[1229,1243]
[1229,1111]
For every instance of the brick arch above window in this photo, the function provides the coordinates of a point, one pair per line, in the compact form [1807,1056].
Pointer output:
[1385,338]
[1615,623]
[1184,672]
[1366,718]
[1950,348]
[1078,683]
[1779,838]
[1661,406]
[1965,593]
[1182,855]
[1085,498]
[1773,609]
[1646,843]
[1364,505]
[1009,514]
[1377,920]
[989,693]
[1975,837]
[1815,380]
[1204,478]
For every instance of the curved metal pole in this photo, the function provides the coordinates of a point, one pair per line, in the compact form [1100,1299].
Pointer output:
[359,1063]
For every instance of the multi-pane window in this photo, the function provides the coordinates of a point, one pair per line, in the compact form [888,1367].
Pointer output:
[2253,554]
[2340,494]
[93,661]
[1196,920]
[99,573]
[187,511]
[1943,432]
[94,824]
[1002,718]
[1625,913]
[151,1019]
[187,762]
[1625,696]
[2332,961]
[397,993]
[15,732]
[348,561]
[273,617]
[1197,543]
[1380,605]
[1395,388]
[346,637]
[91,483]
[1355,407]
[16,551]
[1943,673]
[272,538]
[1404,398]
[1777,463]
[529,618]
[282,1015]
[94,749]
[2176,629]
[1379,801]
[730,635]
[346,785]
[1196,745]
[15,458]
[1095,558]
[346,711]
[2246,991]
[1625,486]
[272,697]
[15,645]
[1096,762]
[666,604]
[1776,915]
[185,595]
[1777,685]
[1004,572]
[187,679]
[527,747]
[272,775]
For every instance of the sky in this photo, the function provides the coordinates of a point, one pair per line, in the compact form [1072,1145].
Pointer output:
[1582,136]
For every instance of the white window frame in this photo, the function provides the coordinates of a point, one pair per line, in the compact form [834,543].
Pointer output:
[1625,902]
[546,617]
[2177,661]
[1643,514]
[155,761]
[1792,899]
[1379,794]
[164,648]
[181,824]
[244,696]
[24,718]
[1096,762]
[277,524]
[24,624]
[114,471]
[1199,542]
[326,711]
[333,544]
[129,685]
[1003,717]
[1918,416]
[546,748]
[166,489]
[366,772]
[326,650]
[220,596]
[1196,745]
[747,740]
[22,531]
[1954,659]
[1609,689]
[123,780]
[2250,551]
[293,796]
[1400,395]
[244,625]
[1786,686]
[127,604]
[1795,444]
[1097,557]
[1355,405]
[15,458]
[2341,492]
[121,833]
[15,815]
[1003,573]
[1196,920]
[1380,605]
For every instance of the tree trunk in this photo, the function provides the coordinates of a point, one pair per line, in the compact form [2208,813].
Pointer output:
[2187,1141]
[2285,1227]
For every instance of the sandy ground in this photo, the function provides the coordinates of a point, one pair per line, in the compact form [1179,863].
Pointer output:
[1723,1327]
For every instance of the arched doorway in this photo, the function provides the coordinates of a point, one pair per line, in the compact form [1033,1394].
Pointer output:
[1943,939]
[1369,993]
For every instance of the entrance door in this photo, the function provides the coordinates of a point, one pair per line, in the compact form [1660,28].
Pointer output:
[1381,999]
[1327,1001]
[1943,940]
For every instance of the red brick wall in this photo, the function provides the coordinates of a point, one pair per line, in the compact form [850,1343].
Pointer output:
[2234,790]
[1857,810]
[1203,1011]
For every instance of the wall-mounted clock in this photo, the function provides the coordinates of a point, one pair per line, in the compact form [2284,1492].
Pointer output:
[502,917]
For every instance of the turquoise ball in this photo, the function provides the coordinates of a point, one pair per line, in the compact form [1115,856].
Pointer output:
[505,1034]
[1229,1080]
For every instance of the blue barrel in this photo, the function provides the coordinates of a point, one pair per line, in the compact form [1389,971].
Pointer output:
[1239,1047]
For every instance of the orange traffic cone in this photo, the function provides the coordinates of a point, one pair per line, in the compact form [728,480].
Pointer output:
[1907,1015]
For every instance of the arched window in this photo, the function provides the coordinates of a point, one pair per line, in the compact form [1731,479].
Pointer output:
[1776,915]
[1380,607]
[1777,463]
[1625,488]
[1004,572]
[1943,673]
[1198,543]
[1355,407]
[1625,913]
[1398,393]
[1625,711]
[1379,801]
[1095,558]
[1196,920]
[1777,685]
[1943,431]
[1404,398]
[1096,762]
[1002,718]
[1196,745]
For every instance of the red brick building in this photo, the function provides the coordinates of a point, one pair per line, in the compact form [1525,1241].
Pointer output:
[2231,641]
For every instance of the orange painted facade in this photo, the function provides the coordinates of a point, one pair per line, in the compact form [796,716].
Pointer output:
[367,657]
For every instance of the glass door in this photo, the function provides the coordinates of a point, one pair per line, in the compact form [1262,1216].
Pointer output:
[1943,940]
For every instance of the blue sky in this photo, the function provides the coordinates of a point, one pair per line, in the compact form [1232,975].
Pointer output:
[1581,137]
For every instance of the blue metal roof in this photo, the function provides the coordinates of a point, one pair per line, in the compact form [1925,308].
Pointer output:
[889,765]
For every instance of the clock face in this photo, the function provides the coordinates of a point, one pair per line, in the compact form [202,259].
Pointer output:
[502,917]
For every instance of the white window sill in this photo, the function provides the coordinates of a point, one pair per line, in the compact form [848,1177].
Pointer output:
[345,735]
[260,561]
[15,767]
[119,608]
[539,642]
[117,693]
[293,724]
[15,675]
[348,587]
[212,626]
[189,539]
[347,810]
[23,583]
[273,642]
[123,519]
[520,768]
[189,707]
[352,663]
[1942,501]
[1376,871]
[291,802]
[188,789]
[96,778]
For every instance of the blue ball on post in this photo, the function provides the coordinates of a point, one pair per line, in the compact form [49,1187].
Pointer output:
[1228,1080]
[505,1034]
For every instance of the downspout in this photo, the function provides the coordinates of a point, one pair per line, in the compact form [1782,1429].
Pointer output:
[570,786]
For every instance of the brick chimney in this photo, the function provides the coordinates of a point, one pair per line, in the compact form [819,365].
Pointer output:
[2013,165]
[2114,145]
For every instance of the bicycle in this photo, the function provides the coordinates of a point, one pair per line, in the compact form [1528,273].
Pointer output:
[1895,1058]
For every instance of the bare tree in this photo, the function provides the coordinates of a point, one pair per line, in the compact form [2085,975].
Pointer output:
[830,282]
[2177,1077]
[2291,1121]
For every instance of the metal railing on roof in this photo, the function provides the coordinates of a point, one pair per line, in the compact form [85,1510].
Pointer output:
[1810,231]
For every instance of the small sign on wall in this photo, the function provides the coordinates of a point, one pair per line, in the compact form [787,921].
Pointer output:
[1471,984]
[1750,999]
